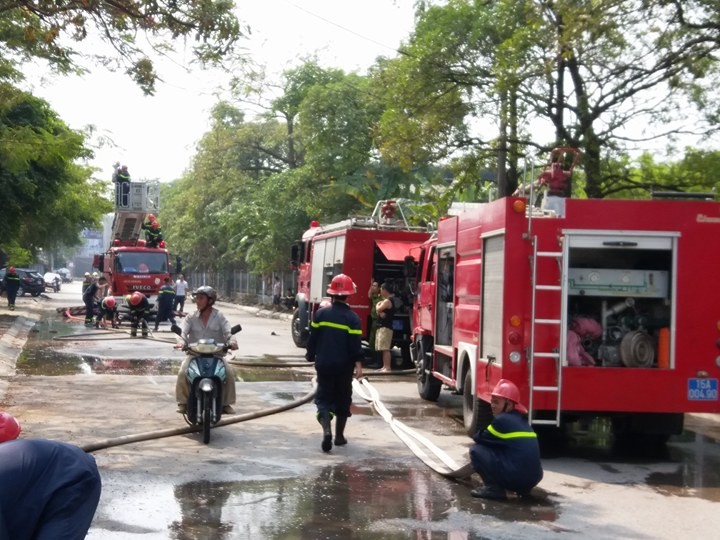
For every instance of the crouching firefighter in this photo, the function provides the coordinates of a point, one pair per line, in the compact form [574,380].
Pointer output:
[506,454]
[139,309]
[334,345]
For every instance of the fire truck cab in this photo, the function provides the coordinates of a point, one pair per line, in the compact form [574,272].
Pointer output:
[609,308]
[128,264]
[381,247]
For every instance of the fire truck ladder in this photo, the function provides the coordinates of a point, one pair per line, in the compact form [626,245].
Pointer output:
[144,197]
[535,356]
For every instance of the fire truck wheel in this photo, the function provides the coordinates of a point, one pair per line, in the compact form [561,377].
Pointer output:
[428,386]
[299,335]
[477,414]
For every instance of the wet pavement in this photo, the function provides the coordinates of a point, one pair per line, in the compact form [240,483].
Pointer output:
[267,479]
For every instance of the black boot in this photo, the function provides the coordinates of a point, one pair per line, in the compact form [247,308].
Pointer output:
[339,431]
[324,419]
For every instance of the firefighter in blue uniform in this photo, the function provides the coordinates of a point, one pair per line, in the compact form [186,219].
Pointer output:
[334,345]
[91,301]
[53,488]
[139,310]
[166,300]
[506,454]
[153,234]
[11,283]
[107,312]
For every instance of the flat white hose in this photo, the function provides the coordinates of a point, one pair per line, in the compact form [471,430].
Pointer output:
[423,448]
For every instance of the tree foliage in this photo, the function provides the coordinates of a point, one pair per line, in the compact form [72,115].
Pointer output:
[474,75]
[47,197]
[58,32]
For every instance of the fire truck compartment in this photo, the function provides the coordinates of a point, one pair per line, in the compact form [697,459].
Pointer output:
[394,250]
[619,298]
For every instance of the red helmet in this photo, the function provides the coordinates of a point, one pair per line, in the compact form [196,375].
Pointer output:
[151,217]
[341,285]
[109,302]
[9,427]
[136,298]
[11,269]
[507,389]
[155,224]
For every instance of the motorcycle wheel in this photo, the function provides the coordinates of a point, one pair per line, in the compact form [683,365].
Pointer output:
[207,417]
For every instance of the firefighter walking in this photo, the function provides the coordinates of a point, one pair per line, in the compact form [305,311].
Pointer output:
[11,282]
[335,347]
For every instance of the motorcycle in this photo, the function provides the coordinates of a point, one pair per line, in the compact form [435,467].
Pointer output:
[206,376]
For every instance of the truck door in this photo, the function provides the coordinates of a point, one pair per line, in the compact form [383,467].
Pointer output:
[493,283]
[444,314]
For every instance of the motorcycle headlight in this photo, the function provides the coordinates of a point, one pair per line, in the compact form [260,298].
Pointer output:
[206,385]
[206,347]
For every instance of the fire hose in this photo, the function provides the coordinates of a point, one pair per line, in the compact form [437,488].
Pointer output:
[423,448]
[419,445]
[150,435]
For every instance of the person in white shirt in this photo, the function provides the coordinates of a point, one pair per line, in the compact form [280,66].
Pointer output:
[206,323]
[181,290]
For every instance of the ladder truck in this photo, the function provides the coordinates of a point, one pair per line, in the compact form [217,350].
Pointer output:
[128,264]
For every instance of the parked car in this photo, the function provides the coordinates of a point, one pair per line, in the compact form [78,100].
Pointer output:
[65,275]
[52,281]
[30,281]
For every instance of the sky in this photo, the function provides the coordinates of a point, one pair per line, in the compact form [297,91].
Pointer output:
[156,136]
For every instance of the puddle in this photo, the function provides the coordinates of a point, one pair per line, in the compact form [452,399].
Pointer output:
[253,374]
[697,471]
[347,501]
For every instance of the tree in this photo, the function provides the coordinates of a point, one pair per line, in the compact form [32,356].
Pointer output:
[55,31]
[476,74]
[47,198]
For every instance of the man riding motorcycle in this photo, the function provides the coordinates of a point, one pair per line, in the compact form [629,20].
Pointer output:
[206,323]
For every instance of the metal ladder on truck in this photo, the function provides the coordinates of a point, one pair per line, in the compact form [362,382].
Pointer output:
[142,200]
[536,357]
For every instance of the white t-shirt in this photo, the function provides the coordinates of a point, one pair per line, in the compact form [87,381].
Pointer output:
[180,287]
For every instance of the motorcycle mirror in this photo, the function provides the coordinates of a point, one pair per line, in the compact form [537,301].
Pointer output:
[235,329]
[175,329]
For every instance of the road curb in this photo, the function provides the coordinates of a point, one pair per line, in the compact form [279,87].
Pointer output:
[12,343]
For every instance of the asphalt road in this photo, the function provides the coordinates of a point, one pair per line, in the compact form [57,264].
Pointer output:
[267,478]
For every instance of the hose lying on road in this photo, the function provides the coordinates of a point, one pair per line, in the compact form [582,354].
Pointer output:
[150,435]
[440,462]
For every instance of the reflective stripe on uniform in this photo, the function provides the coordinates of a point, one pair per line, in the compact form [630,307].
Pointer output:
[337,326]
[512,434]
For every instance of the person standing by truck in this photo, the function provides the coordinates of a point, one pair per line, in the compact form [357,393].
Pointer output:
[165,302]
[375,297]
[181,290]
[90,298]
[386,314]
[335,346]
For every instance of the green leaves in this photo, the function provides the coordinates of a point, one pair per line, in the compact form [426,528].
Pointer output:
[47,198]
[55,31]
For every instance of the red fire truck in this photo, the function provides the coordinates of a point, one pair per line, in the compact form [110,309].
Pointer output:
[380,247]
[598,307]
[128,264]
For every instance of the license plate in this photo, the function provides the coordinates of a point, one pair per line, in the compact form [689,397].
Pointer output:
[703,389]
